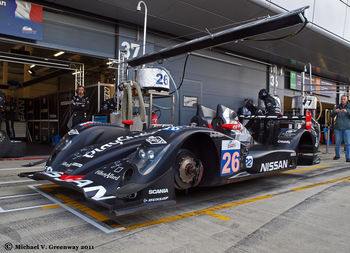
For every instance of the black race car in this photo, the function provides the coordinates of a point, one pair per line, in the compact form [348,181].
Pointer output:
[127,171]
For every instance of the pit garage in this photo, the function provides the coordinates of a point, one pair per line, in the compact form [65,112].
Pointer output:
[166,166]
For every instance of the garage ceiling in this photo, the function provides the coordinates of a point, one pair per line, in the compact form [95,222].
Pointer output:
[16,72]
[188,19]
[192,18]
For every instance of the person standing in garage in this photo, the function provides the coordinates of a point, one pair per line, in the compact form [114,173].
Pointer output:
[342,127]
[272,106]
[80,108]
[10,117]
[2,105]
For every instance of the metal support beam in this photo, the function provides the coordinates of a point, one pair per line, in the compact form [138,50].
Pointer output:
[5,72]
[236,33]
[46,77]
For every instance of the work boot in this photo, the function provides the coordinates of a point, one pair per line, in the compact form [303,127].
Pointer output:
[336,158]
[348,160]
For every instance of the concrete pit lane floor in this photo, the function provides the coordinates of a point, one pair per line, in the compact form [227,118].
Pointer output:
[302,210]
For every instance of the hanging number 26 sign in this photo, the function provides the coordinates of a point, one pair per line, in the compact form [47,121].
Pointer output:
[230,157]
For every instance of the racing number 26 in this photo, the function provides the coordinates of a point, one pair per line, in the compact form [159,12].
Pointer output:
[230,163]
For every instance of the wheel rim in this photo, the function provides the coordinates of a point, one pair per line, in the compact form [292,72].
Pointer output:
[189,172]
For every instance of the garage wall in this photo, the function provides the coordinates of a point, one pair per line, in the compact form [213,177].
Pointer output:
[80,35]
[212,81]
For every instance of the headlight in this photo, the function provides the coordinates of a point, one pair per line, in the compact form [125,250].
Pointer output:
[142,154]
[150,154]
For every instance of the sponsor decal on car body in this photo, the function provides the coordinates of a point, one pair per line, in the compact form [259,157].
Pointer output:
[119,141]
[158,191]
[154,140]
[99,190]
[155,199]
[276,165]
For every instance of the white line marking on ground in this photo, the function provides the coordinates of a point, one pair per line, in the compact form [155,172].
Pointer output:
[18,196]
[92,222]
[16,181]
[22,208]
[22,168]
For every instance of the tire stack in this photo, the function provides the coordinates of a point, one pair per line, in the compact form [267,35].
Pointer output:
[9,148]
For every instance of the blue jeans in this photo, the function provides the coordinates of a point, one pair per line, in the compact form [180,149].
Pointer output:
[340,135]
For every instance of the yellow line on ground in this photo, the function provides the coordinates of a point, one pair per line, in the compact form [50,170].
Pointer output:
[49,207]
[70,202]
[322,183]
[49,186]
[310,168]
[209,211]
[218,216]
[195,213]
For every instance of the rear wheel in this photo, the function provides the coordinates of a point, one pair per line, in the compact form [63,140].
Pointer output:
[188,170]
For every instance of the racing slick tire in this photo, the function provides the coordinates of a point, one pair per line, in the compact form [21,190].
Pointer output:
[4,144]
[188,170]
[17,149]
[10,149]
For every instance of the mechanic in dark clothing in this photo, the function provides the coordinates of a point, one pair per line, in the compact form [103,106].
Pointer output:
[2,105]
[272,106]
[110,105]
[10,117]
[80,104]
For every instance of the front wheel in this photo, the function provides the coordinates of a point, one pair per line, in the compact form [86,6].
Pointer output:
[188,170]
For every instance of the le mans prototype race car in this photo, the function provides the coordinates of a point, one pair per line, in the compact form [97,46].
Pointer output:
[127,171]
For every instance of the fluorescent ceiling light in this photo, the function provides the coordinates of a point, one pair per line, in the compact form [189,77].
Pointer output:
[31,72]
[58,54]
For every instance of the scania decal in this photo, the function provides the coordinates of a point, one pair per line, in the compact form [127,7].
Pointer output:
[276,165]
[158,191]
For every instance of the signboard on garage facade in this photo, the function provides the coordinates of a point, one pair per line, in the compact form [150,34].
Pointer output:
[319,86]
[21,19]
